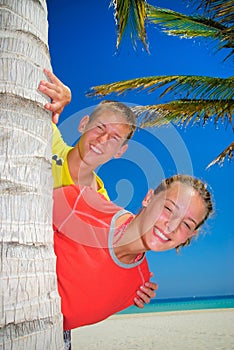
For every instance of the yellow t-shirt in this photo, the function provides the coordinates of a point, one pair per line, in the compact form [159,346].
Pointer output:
[60,171]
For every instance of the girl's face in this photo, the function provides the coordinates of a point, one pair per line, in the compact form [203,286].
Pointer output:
[171,217]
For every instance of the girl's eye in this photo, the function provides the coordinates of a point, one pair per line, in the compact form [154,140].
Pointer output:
[187,225]
[168,209]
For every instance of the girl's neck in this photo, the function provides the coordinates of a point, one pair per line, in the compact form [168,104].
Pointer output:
[127,244]
[128,258]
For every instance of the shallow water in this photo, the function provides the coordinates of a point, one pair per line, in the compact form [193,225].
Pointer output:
[179,304]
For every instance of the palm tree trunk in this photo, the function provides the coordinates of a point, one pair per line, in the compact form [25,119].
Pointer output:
[30,316]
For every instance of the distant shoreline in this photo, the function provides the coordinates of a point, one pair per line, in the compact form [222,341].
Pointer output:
[168,313]
[218,296]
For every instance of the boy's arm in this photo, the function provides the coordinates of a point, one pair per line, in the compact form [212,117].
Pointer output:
[59,93]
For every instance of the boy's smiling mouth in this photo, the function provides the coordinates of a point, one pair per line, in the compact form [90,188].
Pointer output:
[95,149]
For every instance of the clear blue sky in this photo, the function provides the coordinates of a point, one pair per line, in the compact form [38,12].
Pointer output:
[82,39]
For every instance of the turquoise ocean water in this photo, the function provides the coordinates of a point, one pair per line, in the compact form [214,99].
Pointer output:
[179,304]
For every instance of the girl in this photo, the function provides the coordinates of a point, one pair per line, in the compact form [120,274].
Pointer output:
[101,265]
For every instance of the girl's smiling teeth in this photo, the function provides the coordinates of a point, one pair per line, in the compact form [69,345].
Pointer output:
[160,234]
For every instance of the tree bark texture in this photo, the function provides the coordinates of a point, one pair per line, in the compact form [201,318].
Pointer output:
[30,316]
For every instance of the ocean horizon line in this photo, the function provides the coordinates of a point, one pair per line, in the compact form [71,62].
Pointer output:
[217,296]
[184,303]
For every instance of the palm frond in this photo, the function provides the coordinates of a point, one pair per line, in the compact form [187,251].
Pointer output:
[191,86]
[225,154]
[189,112]
[130,14]
[186,112]
[175,23]
[120,87]
[222,11]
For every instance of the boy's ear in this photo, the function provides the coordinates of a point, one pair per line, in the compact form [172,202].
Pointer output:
[84,121]
[148,198]
[121,151]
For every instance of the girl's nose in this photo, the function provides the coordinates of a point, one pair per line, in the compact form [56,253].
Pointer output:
[172,224]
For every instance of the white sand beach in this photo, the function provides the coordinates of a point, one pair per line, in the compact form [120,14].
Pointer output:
[180,330]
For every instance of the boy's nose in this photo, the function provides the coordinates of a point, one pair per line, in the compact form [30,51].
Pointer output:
[103,138]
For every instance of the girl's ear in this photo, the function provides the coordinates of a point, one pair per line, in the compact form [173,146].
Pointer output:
[148,198]
[195,232]
[84,121]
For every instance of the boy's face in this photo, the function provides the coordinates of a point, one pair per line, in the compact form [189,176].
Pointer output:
[102,138]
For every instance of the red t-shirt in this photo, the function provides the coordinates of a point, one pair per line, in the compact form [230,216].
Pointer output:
[92,282]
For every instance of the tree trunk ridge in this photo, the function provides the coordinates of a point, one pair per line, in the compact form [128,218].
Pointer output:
[30,316]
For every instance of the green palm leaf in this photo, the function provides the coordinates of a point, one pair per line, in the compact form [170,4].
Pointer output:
[202,98]
[196,86]
[212,100]
[220,10]
[185,112]
[225,154]
[174,23]
[130,14]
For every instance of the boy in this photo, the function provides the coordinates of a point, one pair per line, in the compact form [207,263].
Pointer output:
[104,134]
